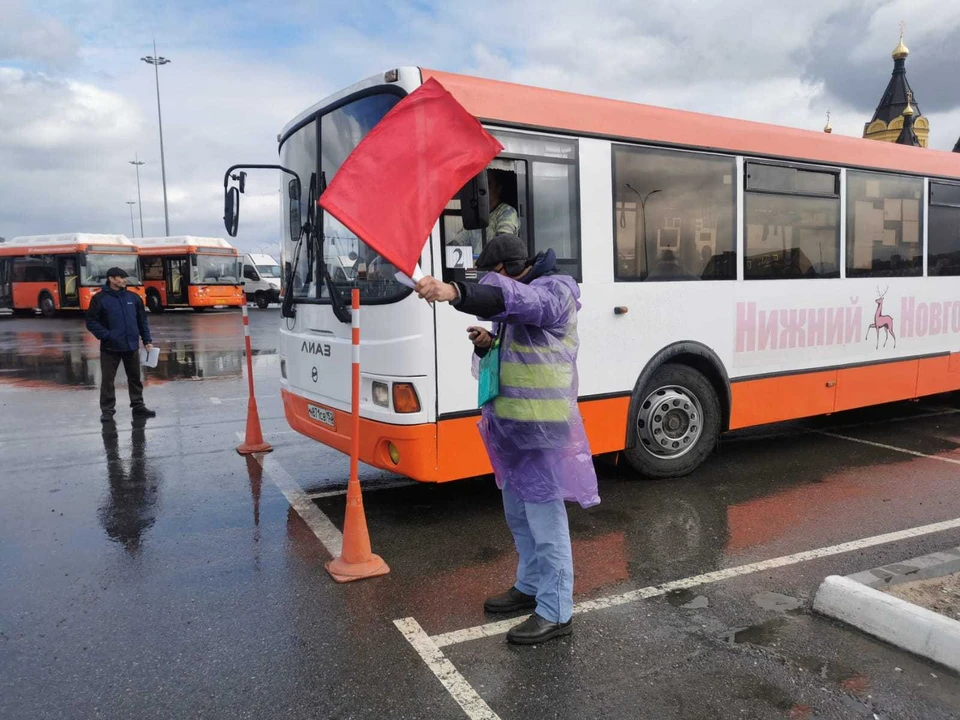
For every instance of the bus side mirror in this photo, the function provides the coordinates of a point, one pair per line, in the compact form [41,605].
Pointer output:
[193,260]
[475,203]
[231,210]
[293,193]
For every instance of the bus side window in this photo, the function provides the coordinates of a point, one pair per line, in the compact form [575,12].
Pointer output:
[944,230]
[152,268]
[792,221]
[674,215]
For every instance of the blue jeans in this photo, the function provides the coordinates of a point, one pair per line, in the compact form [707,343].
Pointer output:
[542,536]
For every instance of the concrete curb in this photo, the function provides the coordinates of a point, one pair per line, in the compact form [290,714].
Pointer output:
[898,622]
[927,567]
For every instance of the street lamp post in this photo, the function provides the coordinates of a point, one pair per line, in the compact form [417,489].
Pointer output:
[133,232]
[137,162]
[643,221]
[157,61]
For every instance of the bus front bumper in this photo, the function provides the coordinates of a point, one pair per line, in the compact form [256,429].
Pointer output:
[415,446]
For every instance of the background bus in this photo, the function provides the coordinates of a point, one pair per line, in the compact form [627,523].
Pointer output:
[61,272]
[186,271]
[732,274]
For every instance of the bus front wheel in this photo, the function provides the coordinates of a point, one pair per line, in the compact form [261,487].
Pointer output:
[200,309]
[675,422]
[48,307]
[154,304]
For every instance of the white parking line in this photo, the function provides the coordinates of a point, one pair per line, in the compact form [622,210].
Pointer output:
[327,533]
[428,647]
[496,628]
[894,448]
[936,412]
[343,491]
[455,683]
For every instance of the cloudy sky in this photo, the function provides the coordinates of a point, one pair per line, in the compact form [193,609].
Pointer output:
[76,103]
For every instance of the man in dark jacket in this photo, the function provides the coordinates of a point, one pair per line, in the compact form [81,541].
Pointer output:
[118,320]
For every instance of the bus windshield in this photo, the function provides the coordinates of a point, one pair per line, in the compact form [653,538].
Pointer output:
[349,262]
[269,271]
[95,271]
[215,270]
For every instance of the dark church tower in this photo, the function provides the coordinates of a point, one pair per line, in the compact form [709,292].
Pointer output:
[888,120]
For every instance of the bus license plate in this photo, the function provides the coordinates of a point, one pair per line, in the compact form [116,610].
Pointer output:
[321,415]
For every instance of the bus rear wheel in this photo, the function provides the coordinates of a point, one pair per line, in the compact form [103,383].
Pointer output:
[48,308]
[675,423]
[154,304]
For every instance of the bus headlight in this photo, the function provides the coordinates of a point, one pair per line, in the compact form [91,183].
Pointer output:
[394,453]
[405,398]
[381,395]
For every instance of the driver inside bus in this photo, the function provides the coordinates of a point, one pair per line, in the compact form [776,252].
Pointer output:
[504,219]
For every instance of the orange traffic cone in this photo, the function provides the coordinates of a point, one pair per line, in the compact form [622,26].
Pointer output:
[253,442]
[356,560]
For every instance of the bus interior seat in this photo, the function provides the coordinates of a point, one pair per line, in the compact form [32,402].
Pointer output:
[70,286]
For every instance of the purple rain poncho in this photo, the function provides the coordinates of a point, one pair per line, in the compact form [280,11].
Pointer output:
[532,430]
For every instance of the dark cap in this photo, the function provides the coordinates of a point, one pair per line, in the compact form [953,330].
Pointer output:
[117,272]
[507,249]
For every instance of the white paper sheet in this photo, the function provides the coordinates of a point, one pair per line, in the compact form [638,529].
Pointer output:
[150,359]
[410,283]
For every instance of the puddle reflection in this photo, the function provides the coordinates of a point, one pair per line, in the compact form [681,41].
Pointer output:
[79,367]
[130,508]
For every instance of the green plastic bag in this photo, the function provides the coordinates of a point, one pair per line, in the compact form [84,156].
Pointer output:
[489,382]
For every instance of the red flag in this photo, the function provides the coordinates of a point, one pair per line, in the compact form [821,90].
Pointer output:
[396,182]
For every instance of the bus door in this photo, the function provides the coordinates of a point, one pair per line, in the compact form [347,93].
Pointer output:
[69,277]
[176,271]
[6,287]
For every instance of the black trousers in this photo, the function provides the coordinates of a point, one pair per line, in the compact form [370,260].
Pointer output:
[109,363]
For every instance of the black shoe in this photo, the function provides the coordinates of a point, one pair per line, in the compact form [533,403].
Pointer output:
[510,601]
[106,417]
[144,412]
[536,629]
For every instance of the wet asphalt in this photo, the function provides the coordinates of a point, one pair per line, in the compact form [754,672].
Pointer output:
[147,570]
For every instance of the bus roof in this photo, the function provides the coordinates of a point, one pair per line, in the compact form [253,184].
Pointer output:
[65,243]
[525,106]
[181,244]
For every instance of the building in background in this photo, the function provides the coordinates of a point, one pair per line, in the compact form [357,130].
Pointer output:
[898,107]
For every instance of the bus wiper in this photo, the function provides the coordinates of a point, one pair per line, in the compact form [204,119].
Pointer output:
[287,309]
[340,309]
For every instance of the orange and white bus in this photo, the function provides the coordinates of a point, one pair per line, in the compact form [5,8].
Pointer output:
[733,274]
[190,272]
[61,272]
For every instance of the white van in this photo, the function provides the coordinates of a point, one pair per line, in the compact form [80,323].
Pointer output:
[261,279]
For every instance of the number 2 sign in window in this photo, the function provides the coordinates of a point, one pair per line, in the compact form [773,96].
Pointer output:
[459,258]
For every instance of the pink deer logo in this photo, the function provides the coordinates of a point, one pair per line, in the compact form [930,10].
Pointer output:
[882,321]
